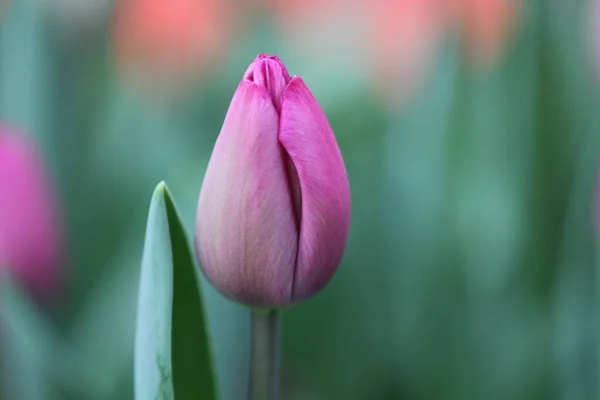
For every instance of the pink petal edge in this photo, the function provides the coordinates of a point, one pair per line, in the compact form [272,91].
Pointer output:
[306,135]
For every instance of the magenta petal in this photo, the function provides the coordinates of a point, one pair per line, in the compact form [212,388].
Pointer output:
[264,56]
[308,139]
[30,233]
[246,236]
[269,71]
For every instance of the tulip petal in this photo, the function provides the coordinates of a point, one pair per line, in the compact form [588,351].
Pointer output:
[306,135]
[246,233]
[269,71]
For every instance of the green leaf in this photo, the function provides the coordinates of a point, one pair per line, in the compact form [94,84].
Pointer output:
[172,350]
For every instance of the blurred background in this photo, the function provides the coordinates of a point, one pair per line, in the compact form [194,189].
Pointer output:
[470,130]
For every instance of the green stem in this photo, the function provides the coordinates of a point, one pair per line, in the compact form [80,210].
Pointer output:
[264,355]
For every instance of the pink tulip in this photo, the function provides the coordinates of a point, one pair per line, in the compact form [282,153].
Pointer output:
[274,209]
[30,241]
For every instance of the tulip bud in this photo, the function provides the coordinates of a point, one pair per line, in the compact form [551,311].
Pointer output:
[30,241]
[274,209]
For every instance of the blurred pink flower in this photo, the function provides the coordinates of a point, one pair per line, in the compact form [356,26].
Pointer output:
[30,234]
[169,41]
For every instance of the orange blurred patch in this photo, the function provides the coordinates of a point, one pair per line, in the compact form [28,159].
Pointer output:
[487,26]
[3,4]
[315,22]
[290,12]
[169,40]
[405,36]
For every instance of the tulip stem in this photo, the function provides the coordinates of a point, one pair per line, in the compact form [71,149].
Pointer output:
[264,355]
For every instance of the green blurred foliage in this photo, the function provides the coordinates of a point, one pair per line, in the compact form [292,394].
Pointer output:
[471,268]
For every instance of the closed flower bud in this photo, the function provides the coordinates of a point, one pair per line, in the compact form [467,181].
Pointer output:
[30,240]
[274,209]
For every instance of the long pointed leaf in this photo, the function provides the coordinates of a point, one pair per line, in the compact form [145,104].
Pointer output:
[172,350]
